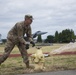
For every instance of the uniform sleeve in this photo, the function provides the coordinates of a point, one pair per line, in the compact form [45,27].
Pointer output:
[29,34]
[20,34]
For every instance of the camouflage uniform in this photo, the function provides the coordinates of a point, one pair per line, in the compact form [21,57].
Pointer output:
[16,37]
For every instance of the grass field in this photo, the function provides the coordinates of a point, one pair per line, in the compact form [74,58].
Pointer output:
[32,50]
[13,66]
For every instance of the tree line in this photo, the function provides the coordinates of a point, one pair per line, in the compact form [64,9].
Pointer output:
[65,36]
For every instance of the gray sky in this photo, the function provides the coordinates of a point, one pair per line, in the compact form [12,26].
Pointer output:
[49,15]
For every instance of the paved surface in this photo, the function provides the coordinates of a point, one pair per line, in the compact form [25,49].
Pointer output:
[69,72]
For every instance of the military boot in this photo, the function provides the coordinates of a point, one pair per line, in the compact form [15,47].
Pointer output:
[27,64]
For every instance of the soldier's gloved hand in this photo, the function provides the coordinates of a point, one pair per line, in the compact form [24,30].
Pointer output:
[27,46]
[33,44]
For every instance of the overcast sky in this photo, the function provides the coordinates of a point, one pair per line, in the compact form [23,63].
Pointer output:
[49,15]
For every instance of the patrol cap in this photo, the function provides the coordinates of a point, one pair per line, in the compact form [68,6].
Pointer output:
[29,16]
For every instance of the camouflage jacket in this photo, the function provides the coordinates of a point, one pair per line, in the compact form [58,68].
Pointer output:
[18,31]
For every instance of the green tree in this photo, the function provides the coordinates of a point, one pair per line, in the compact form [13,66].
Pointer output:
[72,35]
[49,39]
[66,36]
[39,39]
[60,37]
[56,36]
[4,40]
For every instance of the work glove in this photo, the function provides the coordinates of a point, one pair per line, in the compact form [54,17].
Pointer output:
[33,44]
[27,45]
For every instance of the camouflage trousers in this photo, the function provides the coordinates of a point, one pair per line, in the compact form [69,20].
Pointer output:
[9,47]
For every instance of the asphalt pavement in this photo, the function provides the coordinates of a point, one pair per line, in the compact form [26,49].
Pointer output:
[68,72]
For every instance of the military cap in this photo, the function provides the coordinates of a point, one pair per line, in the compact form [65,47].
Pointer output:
[29,16]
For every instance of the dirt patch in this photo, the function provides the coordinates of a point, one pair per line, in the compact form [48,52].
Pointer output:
[66,49]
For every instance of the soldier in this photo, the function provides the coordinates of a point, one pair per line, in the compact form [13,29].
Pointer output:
[16,37]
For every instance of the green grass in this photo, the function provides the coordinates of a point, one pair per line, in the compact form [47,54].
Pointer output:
[32,50]
[16,66]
